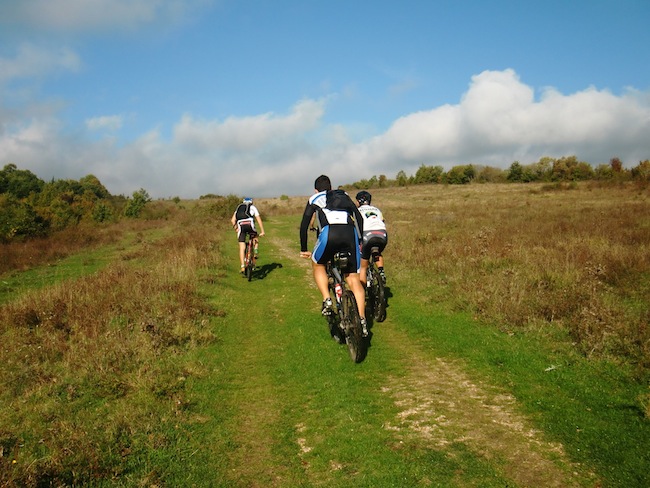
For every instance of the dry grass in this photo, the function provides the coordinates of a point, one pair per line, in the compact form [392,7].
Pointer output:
[92,375]
[573,257]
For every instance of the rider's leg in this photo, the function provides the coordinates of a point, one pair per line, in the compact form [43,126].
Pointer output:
[380,267]
[359,291]
[242,251]
[320,277]
[363,273]
[255,242]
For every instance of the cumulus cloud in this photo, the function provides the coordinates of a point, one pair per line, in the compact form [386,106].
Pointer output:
[498,120]
[248,133]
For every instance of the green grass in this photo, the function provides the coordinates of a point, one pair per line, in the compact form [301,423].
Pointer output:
[245,387]
[590,406]
[78,264]
[293,410]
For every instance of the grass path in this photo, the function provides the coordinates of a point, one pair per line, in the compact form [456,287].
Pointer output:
[282,405]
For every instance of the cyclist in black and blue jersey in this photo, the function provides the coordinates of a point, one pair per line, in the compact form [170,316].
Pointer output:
[339,228]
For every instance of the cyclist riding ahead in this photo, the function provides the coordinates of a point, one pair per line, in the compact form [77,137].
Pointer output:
[374,234]
[243,221]
[339,226]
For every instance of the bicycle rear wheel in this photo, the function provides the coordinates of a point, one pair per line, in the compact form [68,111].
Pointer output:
[378,295]
[357,345]
[248,261]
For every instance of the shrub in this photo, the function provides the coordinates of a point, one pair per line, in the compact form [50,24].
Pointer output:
[135,205]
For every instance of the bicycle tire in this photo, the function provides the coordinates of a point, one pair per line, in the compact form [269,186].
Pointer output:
[357,345]
[248,260]
[378,296]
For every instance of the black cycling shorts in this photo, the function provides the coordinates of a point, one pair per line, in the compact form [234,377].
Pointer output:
[334,238]
[246,228]
[373,238]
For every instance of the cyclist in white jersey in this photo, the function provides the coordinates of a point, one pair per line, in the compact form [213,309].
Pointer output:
[243,221]
[374,234]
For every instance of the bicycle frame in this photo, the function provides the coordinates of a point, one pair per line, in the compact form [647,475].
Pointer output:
[249,257]
[345,323]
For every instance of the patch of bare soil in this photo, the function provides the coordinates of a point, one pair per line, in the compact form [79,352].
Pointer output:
[440,405]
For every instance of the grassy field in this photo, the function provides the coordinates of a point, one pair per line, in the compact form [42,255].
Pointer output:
[515,352]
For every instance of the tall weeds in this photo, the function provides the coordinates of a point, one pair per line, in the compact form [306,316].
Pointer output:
[93,376]
[574,258]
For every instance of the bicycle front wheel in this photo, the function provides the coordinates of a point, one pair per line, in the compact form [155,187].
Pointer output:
[357,345]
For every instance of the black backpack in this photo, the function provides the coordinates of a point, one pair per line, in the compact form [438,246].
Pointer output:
[338,209]
[338,200]
[243,211]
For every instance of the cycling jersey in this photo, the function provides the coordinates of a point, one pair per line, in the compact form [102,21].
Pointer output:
[339,230]
[372,218]
[374,230]
[245,215]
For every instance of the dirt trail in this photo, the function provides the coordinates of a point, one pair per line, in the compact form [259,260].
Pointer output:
[441,404]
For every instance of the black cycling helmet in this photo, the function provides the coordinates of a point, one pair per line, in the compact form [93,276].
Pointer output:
[363,197]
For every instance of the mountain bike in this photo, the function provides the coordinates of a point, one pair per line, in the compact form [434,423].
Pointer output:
[249,257]
[376,293]
[345,322]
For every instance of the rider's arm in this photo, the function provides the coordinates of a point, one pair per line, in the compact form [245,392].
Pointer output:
[359,220]
[234,219]
[304,226]
[259,221]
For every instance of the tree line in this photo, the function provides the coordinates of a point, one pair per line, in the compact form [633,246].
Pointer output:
[31,207]
[564,169]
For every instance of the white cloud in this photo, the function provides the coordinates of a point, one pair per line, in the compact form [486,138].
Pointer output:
[105,122]
[248,133]
[499,120]
[88,15]
[32,60]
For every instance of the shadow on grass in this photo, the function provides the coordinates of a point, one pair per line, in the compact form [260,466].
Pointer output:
[263,271]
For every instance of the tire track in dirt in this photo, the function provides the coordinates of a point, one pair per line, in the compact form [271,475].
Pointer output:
[440,405]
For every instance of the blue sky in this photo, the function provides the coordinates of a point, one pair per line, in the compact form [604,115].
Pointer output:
[185,98]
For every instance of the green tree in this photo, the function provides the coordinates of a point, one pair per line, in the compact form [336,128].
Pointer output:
[92,183]
[603,172]
[18,218]
[19,182]
[461,175]
[402,179]
[516,172]
[641,172]
[428,174]
[134,205]
[488,174]
[102,212]
[582,172]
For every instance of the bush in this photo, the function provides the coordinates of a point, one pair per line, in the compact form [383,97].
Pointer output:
[135,205]
[19,219]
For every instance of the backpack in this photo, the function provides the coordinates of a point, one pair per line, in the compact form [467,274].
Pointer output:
[243,212]
[338,208]
[338,200]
